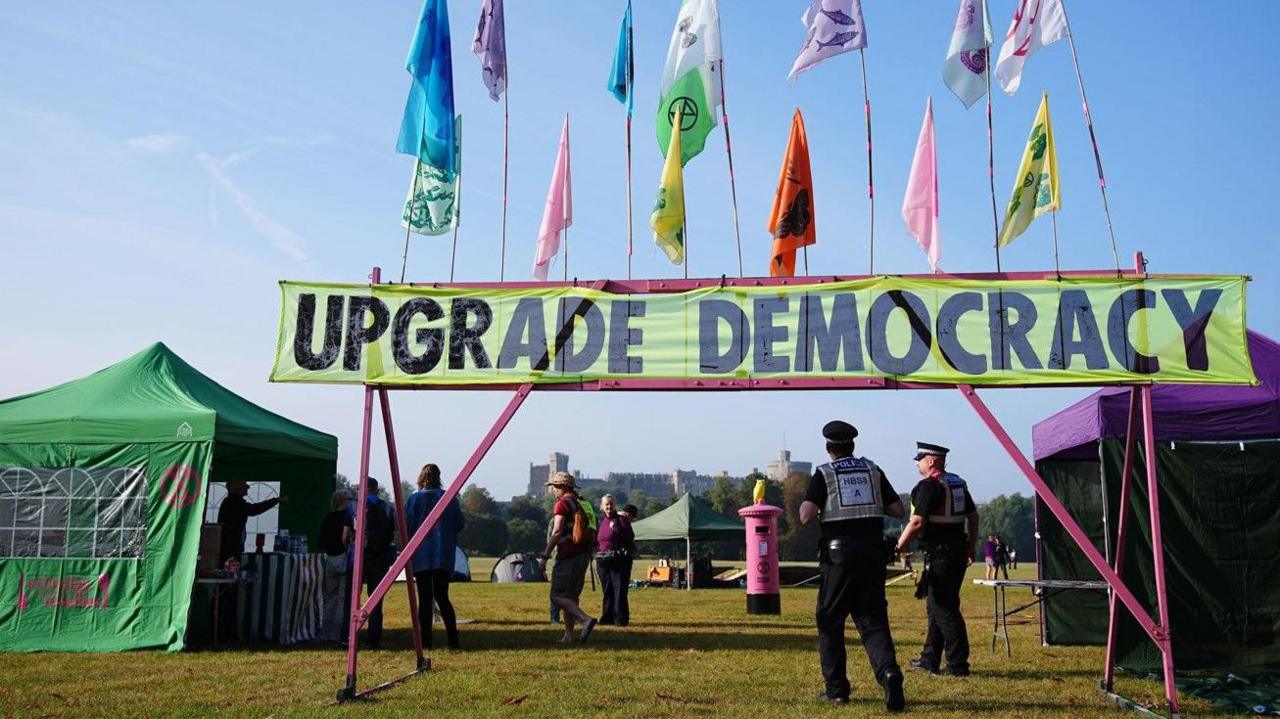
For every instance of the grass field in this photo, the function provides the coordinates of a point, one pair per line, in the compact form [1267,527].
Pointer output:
[687,654]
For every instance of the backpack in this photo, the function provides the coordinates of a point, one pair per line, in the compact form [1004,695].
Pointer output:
[378,529]
[584,533]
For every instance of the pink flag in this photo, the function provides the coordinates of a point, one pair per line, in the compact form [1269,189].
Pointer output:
[559,212]
[920,206]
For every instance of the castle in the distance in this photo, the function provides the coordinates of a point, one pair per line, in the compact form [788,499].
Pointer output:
[659,485]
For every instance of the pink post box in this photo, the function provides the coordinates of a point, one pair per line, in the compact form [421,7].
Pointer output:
[763,588]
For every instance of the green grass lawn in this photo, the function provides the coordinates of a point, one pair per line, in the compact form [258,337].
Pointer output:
[687,654]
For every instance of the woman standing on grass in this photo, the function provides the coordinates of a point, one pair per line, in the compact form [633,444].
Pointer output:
[433,562]
[614,541]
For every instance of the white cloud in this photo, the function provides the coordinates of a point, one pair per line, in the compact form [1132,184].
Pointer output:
[161,143]
[280,236]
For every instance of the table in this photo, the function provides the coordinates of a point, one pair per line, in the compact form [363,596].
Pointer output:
[1040,589]
[285,604]
[216,587]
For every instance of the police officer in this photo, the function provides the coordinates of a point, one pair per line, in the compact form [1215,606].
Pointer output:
[946,520]
[853,496]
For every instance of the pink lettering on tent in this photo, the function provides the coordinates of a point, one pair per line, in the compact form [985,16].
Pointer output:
[70,592]
[180,485]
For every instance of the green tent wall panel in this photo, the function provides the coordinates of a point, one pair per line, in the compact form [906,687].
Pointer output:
[123,459]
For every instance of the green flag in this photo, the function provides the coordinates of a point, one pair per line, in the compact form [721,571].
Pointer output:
[689,78]
[434,202]
[1035,189]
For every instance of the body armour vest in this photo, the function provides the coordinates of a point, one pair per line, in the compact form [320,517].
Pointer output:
[955,493]
[853,490]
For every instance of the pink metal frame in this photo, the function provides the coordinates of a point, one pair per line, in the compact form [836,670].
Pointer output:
[1120,594]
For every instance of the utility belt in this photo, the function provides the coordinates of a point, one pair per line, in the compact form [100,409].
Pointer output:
[837,551]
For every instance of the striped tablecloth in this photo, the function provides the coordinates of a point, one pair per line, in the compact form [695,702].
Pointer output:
[284,603]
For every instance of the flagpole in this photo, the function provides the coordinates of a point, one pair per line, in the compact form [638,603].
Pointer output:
[871,192]
[733,185]
[413,196]
[805,251]
[991,162]
[1056,267]
[564,192]
[630,221]
[1093,139]
[453,256]
[506,136]
[684,236]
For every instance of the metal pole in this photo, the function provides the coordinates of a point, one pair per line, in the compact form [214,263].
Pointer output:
[453,256]
[1122,528]
[566,195]
[433,517]
[688,564]
[871,185]
[413,196]
[1093,139]
[1163,639]
[393,458]
[506,162]
[358,613]
[733,184]
[630,221]
[1053,214]
[991,160]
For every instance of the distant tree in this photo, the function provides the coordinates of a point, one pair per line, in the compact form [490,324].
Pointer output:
[477,501]
[800,541]
[340,481]
[406,489]
[524,507]
[484,535]
[725,496]
[523,535]
[1012,518]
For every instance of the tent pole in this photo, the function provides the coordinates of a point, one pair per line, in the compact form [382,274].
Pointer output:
[688,564]
[402,523]
[1122,527]
[1062,514]
[1162,638]
[406,554]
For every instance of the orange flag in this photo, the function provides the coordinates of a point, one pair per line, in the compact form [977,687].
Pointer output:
[792,222]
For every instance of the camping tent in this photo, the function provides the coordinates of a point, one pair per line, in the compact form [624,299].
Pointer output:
[692,519]
[461,567]
[1217,450]
[102,493]
[516,567]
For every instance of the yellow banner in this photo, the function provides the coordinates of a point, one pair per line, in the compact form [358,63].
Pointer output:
[1090,331]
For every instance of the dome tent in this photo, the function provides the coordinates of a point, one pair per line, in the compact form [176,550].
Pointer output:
[103,483]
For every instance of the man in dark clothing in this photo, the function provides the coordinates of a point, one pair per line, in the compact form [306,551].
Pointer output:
[234,515]
[853,496]
[946,520]
[379,534]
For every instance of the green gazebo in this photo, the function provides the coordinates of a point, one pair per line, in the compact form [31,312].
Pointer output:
[103,484]
[692,519]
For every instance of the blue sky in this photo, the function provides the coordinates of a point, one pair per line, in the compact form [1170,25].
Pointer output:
[162,165]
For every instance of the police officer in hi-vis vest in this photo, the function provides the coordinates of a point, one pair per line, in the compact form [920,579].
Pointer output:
[944,517]
[853,496]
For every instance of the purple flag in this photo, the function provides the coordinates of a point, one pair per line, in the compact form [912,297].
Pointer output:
[490,46]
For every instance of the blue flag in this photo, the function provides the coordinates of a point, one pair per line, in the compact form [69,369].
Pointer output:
[427,130]
[623,76]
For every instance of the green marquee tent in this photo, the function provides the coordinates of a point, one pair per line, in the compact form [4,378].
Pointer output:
[103,484]
[692,519]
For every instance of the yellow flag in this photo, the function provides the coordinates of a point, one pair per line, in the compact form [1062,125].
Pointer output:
[668,211]
[1035,190]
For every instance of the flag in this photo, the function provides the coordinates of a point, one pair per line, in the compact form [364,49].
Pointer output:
[1036,24]
[791,221]
[668,211]
[920,205]
[434,202]
[1035,190]
[835,27]
[427,130]
[965,68]
[558,214]
[490,45]
[688,86]
[623,75]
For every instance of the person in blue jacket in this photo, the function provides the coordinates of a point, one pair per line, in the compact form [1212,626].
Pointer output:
[434,560]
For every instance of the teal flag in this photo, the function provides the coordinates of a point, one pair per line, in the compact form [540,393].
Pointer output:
[427,129]
[623,75]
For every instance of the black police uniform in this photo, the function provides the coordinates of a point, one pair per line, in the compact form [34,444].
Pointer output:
[853,494]
[945,503]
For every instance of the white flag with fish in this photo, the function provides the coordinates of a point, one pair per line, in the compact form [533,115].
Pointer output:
[965,68]
[433,206]
[835,27]
[1036,24]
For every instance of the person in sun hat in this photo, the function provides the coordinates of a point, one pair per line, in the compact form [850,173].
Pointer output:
[852,496]
[572,557]
[946,520]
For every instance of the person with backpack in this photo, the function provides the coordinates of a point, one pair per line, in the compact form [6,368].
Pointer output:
[572,540]
[379,535]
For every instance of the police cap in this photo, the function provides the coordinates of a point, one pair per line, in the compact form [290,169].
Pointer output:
[924,449]
[839,431]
